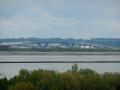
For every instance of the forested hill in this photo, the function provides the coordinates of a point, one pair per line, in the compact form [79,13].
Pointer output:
[109,42]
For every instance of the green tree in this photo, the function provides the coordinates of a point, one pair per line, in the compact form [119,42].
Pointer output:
[83,79]
[3,84]
[112,80]
[70,81]
[24,75]
[23,86]
[48,80]
[87,71]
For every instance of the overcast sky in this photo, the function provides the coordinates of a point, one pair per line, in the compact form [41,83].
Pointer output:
[60,18]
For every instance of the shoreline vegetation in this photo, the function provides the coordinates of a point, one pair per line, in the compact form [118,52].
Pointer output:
[58,51]
[73,79]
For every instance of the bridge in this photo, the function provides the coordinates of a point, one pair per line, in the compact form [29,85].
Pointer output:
[46,44]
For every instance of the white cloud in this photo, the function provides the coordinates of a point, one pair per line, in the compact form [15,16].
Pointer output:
[4,24]
[111,12]
[27,20]
[108,24]
[40,17]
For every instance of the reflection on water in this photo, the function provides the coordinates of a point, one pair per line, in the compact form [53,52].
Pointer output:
[13,68]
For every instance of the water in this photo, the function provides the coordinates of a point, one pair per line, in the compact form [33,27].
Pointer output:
[11,69]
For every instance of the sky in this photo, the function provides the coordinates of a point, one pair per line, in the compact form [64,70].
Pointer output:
[60,18]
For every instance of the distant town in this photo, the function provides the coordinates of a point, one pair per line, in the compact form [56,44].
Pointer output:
[59,44]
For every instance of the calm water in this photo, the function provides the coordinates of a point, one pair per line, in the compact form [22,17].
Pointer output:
[11,69]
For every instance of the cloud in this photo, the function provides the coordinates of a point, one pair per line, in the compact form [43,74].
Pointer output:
[43,18]
[36,20]
[59,18]
[5,24]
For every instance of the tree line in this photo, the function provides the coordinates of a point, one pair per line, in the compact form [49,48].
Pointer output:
[58,49]
[74,79]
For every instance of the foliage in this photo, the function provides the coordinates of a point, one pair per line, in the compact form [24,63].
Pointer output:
[74,79]
[23,86]
[3,84]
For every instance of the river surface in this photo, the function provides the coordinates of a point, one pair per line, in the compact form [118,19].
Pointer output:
[11,69]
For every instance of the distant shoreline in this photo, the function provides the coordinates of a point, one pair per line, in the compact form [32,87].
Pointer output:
[57,53]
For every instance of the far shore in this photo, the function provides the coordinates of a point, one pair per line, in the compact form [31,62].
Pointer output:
[56,53]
